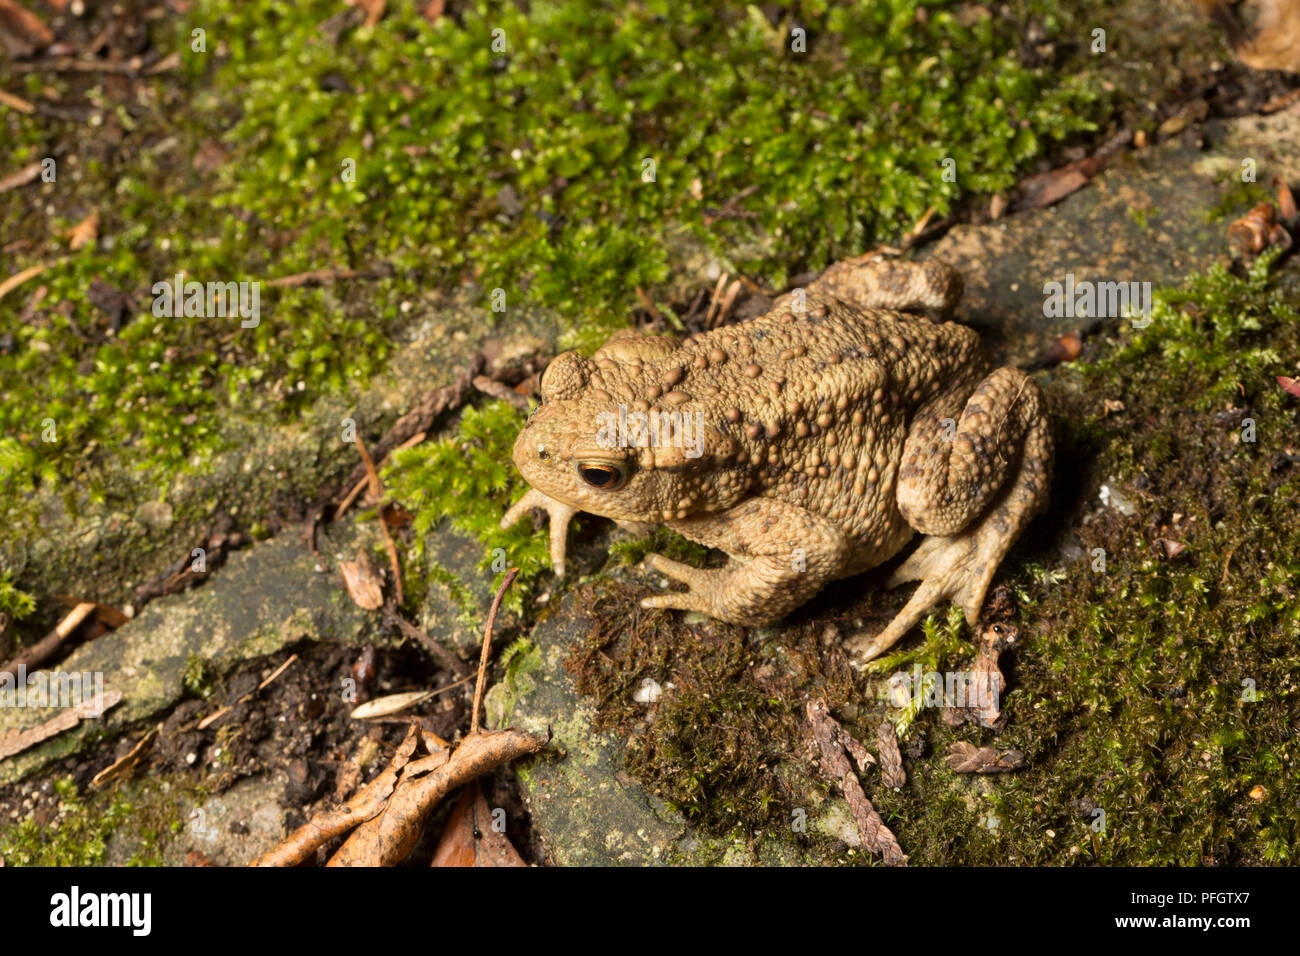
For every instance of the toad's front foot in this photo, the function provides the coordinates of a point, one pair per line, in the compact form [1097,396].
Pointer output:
[704,586]
[558,513]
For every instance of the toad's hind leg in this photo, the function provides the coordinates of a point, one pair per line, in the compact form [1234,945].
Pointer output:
[971,486]
[876,283]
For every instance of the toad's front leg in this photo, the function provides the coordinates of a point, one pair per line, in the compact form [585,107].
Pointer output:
[785,555]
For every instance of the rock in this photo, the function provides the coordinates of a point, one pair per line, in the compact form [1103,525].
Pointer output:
[586,809]
[265,597]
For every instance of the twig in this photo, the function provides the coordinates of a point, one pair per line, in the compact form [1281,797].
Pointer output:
[377,492]
[365,479]
[423,415]
[487,647]
[495,389]
[215,715]
[649,305]
[48,644]
[16,102]
[14,281]
[321,276]
[68,64]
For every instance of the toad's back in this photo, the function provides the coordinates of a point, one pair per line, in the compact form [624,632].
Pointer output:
[821,402]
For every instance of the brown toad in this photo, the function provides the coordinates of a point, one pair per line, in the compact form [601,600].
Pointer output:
[809,444]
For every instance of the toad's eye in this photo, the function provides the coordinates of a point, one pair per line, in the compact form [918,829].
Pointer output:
[604,475]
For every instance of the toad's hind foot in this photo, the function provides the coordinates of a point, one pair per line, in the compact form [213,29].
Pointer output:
[957,569]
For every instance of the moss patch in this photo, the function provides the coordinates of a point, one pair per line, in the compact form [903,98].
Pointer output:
[469,480]
[718,742]
[74,829]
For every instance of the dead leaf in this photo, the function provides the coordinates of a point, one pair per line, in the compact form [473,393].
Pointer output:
[22,32]
[362,582]
[1257,230]
[390,704]
[1270,40]
[21,178]
[1170,548]
[1065,349]
[965,757]
[122,767]
[891,761]
[876,837]
[470,837]
[387,838]
[432,10]
[327,824]
[1050,187]
[84,232]
[20,740]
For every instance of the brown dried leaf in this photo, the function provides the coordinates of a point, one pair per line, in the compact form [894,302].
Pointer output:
[1250,235]
[469,838]
[1050,187]
[391,704]
[965,757]
[22,32]
[327,824]
[876,837]
[362,581]
[891,761]
[387,838]
[84,232]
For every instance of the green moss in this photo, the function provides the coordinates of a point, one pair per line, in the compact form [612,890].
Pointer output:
[469,479]
[14,604]
[522,167]
[721,740]
[80,832]
[200,677]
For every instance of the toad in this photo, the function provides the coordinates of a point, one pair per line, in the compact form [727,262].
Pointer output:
[810,444]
